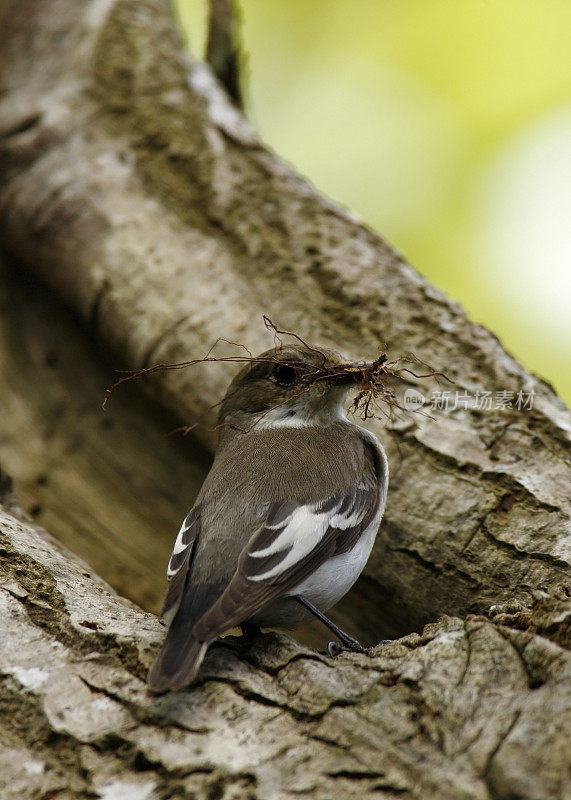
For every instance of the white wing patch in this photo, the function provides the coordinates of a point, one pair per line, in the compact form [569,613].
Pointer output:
[302,531]
[180,546]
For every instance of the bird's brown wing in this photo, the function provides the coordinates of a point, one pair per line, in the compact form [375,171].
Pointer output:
[296,538]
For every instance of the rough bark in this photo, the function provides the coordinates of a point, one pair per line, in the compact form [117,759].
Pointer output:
[137,194]
[467,710]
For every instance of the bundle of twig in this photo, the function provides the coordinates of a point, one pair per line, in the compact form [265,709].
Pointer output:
[374,398]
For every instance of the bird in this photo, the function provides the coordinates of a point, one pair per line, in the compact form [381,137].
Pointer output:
[287,516]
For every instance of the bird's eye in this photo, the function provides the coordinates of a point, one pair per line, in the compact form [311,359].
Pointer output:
[285,374]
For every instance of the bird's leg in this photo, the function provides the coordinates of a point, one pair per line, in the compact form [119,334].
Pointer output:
[348,642]
[250,631]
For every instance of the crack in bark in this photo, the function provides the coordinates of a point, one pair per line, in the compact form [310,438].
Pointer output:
[493,480]
[250,694]
[431,566]
[94,314]
[23,125]
[487,767]
[524,555]
[534,681]
[467,639]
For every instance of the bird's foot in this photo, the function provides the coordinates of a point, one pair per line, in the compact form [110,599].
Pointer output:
[353,646]
[249,631]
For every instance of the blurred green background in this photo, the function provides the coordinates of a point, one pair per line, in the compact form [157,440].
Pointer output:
[446,124]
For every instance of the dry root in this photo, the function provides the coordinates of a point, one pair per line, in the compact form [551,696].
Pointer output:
[374,398]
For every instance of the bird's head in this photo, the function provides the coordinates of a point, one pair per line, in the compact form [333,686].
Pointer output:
[289,386]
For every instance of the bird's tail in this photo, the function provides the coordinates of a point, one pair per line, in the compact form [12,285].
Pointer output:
[178,661]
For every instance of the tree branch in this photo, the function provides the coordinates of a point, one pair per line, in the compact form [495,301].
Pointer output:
[223,50]
[133,188]
[136,192]
[465,710]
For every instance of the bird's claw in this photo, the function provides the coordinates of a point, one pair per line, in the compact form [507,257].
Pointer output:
[250,631]
[334,648]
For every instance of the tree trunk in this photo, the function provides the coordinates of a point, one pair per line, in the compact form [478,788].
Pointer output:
[134,192]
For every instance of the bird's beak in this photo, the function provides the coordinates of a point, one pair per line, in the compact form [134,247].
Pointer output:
[347,374]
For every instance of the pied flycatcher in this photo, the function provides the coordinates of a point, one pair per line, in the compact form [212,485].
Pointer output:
[287,516]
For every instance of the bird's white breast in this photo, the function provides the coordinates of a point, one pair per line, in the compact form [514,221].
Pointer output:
[333,579]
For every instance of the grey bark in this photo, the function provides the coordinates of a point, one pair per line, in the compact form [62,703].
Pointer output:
[467,710]
[136,194]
